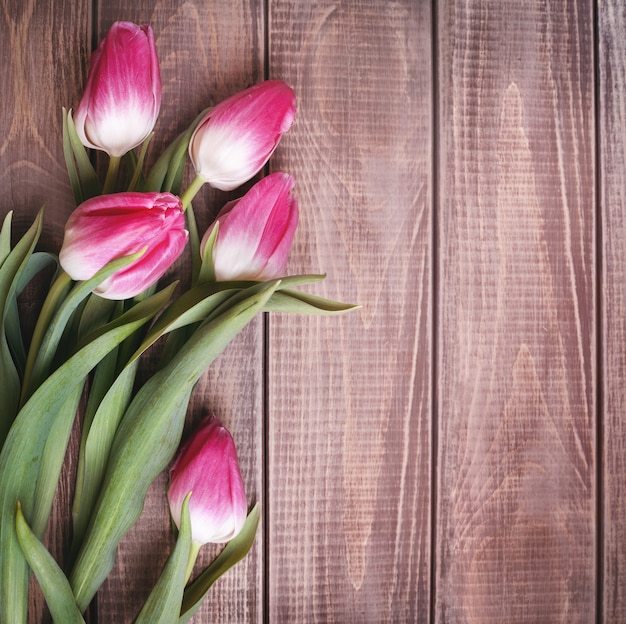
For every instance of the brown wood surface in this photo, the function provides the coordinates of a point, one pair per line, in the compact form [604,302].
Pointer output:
[350,398]
[455,450]
[612,165]
[516,479]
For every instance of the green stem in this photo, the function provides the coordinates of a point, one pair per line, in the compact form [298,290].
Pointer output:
[111,177]
[191,191]
[56,294]
[193,555]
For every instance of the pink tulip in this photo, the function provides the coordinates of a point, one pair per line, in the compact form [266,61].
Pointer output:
[206,466]
[256,231]
[237,137]
[112,226]
[122,97]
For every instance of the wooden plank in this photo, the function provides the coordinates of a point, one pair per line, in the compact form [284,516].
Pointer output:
[350,398]
[516,318]
[44,49]
[207,51]
[612,163]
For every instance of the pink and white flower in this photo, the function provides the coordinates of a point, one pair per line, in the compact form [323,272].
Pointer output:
[256,231]
[112,226]
[237,137]
[206,466]
[122,98]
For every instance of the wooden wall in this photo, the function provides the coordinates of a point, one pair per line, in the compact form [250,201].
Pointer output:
[454,451]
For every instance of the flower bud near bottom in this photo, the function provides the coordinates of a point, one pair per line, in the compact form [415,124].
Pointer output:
[206,466]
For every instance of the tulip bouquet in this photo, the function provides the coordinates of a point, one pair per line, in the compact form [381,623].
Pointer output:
[105,308]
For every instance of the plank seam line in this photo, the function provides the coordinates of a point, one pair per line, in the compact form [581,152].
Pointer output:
[598,216]
[435,296]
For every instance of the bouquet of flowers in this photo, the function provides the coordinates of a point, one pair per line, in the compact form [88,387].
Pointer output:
[105,308]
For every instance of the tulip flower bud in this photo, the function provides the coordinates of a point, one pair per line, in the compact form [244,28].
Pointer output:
[206,466]
[122,97]
[237,137]
[108,227]
[256,231]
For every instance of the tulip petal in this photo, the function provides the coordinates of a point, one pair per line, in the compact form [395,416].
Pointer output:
[154,263]
[237,137]
[256,231]
[207,467]
[111,226]
[278,236]
[122,97]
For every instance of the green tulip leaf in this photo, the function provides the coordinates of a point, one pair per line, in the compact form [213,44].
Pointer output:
[244,289]
[165,173]
[163,604]
[191,307]
[109,396]
[43,349]
[136,182]
[5,237]
[289,281]
[54,585]
[51,462]
[20,458]
[207,268]
[97,312]
[156,178]
[83,178]
[194,305]
[70,162]
[10,271]
[148,437]
[95,448]
[99,431]
[169,159]
[174,175]
[194,245]
[35,263]
[232,554]
[287,300]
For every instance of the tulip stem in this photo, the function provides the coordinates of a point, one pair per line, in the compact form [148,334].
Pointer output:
[111,177]
[193,555]
[191,191]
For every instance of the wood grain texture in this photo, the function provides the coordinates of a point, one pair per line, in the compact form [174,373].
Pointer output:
[350,398]
[612,163]
[516,318]
[336,418]
[44,50]
[207,51]
[44,64]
